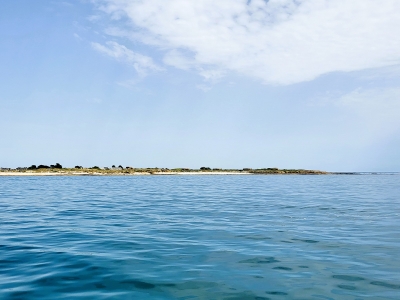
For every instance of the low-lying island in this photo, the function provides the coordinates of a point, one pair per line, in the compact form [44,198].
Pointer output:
[127,171]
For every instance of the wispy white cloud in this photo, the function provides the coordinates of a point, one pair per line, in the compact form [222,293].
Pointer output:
[375,111]
[77,36]
[94,18]
[143,64]
[277,41]
[375,105]
[177,59]
[384,73]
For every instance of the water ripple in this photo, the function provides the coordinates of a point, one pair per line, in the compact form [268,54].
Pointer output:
[206,237]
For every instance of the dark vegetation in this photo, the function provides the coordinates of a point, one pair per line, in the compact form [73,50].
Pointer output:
[205,169]
[56,166]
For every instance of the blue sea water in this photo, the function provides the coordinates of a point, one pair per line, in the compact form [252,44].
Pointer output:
[200,237]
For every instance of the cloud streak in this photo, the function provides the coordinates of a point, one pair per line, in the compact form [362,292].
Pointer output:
[276,41]
[143,64]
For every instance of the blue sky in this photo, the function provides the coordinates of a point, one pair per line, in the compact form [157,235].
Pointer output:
[308,84]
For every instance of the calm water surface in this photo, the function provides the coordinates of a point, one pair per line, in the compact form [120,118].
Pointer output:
[200,237]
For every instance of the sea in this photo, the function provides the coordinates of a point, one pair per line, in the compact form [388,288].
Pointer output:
[241,237]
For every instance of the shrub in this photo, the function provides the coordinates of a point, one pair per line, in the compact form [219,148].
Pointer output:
[33,167]
[205,168]
[43,167]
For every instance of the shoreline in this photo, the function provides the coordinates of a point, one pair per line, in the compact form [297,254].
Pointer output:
[177,173]
[58,170]
[119,173]
[222,173]
[170,172]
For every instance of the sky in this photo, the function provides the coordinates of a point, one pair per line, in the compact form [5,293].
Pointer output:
[310,84]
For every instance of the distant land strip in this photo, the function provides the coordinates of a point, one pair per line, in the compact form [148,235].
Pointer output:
[58,169]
